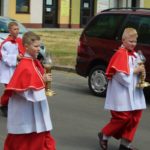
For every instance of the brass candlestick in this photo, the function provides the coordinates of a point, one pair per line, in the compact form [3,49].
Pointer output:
[47,65]
[142,83]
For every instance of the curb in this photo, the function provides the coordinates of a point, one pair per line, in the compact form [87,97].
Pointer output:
[54,29]
[64,68]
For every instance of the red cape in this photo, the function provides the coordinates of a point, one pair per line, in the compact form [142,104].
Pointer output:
[18,40]
[26,76]
[118,63]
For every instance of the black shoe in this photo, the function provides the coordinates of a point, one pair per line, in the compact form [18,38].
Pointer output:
[102,143]
[122,147]
[4,110]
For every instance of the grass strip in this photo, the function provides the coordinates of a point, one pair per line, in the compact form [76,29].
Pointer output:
[62,45]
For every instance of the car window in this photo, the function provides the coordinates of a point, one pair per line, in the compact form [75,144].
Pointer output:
[144,30]
[104,26]
[142,25]
[3,27]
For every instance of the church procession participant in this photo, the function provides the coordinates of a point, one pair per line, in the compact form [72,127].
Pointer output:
[11,52]
[29,123]
[124,99]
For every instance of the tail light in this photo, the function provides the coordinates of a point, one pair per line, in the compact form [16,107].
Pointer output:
[81,46]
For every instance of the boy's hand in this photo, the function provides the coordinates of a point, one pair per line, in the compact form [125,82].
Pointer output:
[139,69]
[19,57]
[47,77]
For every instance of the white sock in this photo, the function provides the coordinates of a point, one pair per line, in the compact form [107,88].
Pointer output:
[105,137]
[125,142]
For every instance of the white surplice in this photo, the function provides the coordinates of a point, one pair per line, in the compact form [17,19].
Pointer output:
[122,93]
[28,112]
[8,63]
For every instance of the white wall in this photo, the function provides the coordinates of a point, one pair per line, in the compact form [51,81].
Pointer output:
[102,4]
[36,9]
[141,3]
[113,3]
[5,7]
[125,3]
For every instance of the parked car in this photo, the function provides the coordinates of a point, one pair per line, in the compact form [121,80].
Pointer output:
[22,29]
[102,37]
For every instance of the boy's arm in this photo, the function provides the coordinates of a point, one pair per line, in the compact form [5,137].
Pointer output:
[123,78]
[10,59]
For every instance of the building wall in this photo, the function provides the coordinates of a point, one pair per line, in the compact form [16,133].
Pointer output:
[146,3]
[68,14]
[75,13]
[95,7]
[64,13]
[102,4]
[5,7]
[36,9]
[24,18]
[142,3]
[36,13]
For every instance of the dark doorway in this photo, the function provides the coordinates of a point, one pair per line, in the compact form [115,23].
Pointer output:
[50,13]
[0,7]
[87,11]
[135,3]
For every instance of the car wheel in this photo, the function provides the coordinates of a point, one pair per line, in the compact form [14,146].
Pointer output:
[97,81]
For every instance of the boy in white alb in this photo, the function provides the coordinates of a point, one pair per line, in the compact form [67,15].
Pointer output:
[11,51]
[29,123]
[124,100]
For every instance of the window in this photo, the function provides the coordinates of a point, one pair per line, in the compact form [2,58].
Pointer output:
[105,26]
[23,6]
[142,25]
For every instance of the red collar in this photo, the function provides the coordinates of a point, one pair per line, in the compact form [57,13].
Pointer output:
[11,39]
[132,53]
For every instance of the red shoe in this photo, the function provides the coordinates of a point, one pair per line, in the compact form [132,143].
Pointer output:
[102,143]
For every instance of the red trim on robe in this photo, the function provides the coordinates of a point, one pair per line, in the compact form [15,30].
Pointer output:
[118,63]
[39,66]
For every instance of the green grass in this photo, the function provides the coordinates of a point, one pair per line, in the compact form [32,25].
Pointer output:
[62,45]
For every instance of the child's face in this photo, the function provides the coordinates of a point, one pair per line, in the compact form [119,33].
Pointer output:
[14,31]
[33,49]
[129,43]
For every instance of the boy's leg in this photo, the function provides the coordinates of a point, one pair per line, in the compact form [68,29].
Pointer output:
[131,128]
[118,121]
[113,128]
[129,132]
[4,102]
[4,110]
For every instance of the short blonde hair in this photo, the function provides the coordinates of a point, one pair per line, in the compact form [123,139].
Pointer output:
[129,32]
[29,37]
[13,23]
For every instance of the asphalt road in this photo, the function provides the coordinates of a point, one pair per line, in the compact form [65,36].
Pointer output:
[77,116]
